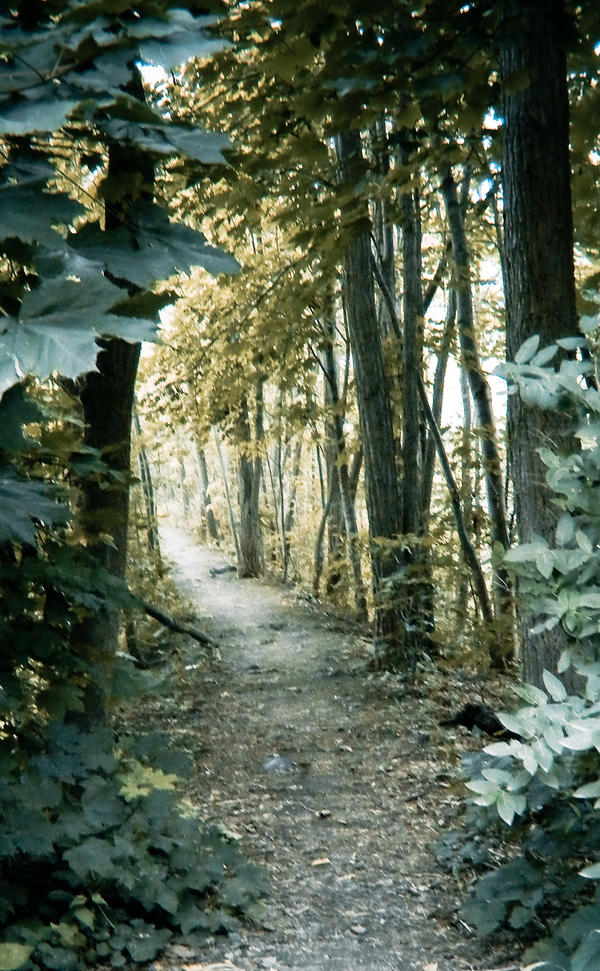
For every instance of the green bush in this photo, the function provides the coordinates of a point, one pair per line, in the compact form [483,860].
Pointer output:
[546,784]
[98,863]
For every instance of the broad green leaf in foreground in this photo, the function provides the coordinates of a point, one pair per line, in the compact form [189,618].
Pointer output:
[22,502]
[13,956]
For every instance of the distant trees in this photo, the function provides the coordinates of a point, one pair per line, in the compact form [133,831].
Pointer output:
[365,181]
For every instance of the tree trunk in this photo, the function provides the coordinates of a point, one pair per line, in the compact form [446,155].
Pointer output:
[377,430]
[347,490]
[288,523]
[538,240]
[107,400]
[223,468]
[147,490]
[436,408]
[106,510]
[251,560]
[211,521]
[480,391]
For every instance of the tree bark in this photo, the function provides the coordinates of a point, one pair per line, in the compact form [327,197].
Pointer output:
[147,490]
[251,560]
[538,242]
[288,523]
[211,521]
[375,413]
[480,391]
[345,486]
[436,408]
[107,396]
[223,468]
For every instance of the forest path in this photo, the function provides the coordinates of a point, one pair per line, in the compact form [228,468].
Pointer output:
[335,783]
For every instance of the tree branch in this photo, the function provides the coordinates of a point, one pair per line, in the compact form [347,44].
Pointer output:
[174,625]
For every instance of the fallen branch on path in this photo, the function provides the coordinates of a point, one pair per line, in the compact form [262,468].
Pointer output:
[174,625]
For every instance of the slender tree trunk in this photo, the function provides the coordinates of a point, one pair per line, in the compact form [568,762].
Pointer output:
[288,523]
[538,238]
[375,413]
[251,561]
[466,488]
[468,549]
[347,489]
[223,468]
[147,490]
[436,408]
[211,521]
[417,589]
[485,419]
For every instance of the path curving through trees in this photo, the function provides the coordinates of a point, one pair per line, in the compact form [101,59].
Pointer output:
[335,783]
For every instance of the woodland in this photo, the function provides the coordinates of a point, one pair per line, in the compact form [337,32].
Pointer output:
[321,284]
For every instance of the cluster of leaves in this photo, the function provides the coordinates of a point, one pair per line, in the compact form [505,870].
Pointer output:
[546,779]
[98,862]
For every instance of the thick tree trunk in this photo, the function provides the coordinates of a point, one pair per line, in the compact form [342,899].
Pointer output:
[105,511]
[538,240]
[375,413]
[480,391]
[107,400]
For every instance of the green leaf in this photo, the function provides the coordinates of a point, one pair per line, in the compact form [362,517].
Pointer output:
[158,249]
[587,955]
[589,791]
[30,214]
[508,805]
[16,410]
[37,116]
[202,146]
[565,660]
[13,956]
[513,722]
[579,741]
[525,552]
[91,857]
[588,323]
[530,693]
[565,529]
[544,562]
[169,53]
[554,687]
[591,872]
[498,749]
[481,786]
[584,543]
[21,503]
[544,356]
[146,941]
[527,349]
[572,344]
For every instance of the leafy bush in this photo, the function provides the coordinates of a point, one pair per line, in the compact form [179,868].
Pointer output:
[98,863]
[547,783]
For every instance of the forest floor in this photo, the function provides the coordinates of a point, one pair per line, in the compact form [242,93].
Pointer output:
[337,782]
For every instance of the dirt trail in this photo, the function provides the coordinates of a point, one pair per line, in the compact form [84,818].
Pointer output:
[335,783]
